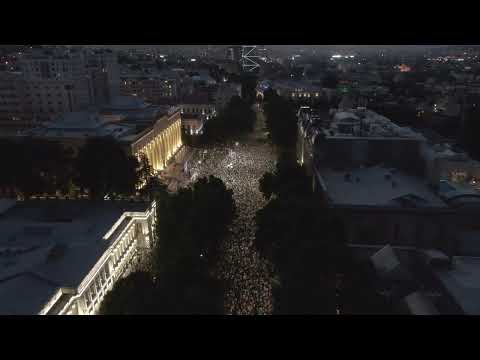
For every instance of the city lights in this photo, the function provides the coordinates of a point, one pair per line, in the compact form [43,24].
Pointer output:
[251,289]
[327,168]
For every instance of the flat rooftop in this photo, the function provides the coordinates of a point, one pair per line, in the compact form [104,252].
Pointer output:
[114,130]
[79,125]
[378,186]
[366,124]
[463,283]
[50,244]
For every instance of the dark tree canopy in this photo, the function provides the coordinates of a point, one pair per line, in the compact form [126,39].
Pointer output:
[193,221]
[249,84]
[269,94]
[237,118]
[191,224]
[288,180]
[306,242]
[471,131]
[298,235]
[299,239]
[133,295]
[104,168]
[281,121]
[330,80]
[35,167]
[154,189]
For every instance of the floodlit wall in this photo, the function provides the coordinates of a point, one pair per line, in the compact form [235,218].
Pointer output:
[131,233]
[161,143]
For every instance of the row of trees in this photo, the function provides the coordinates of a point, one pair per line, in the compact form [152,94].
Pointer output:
[470,130]
[249,87]
[236,119]
[33,167]
[281,120]
[38,167]
[181,279]
[316,272]
[295,233]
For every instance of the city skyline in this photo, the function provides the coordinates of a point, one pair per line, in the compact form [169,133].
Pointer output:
[295,47]
[323,179]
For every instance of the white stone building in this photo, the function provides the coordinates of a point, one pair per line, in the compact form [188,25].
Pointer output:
[61,257]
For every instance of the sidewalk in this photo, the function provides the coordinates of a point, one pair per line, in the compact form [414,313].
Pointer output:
[174,175]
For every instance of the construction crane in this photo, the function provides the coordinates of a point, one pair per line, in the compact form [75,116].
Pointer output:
[249,58]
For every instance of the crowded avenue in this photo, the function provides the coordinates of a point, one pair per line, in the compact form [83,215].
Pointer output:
[240,164]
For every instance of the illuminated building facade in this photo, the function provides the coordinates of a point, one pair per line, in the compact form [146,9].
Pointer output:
[153,88]
[160,142]
[59,80]
[296,90]
[61,257]
[193,125]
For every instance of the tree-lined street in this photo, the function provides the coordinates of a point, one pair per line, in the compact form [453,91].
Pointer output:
[240,163]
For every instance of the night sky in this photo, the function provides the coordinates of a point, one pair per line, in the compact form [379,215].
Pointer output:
[289,48]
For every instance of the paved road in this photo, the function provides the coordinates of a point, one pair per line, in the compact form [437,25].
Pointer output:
[240,164]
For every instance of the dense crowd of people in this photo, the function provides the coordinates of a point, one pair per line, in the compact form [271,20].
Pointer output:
[240,166]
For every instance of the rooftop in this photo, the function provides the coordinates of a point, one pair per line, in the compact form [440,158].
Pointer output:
[385,260]
[463,283]
[159,125]
[134,108]
[365,123]
[50,244]
[378,186]
[127,103]
[81,125]
[76,120]
[419,304]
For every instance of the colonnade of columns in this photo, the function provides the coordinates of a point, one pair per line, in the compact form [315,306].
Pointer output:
[163,146]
